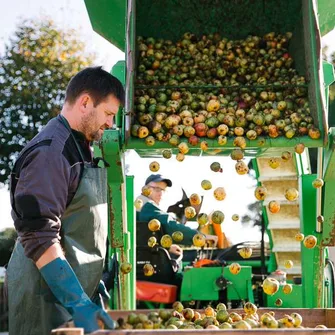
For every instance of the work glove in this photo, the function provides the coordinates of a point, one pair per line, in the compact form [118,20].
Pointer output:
[100,295]
[66,287]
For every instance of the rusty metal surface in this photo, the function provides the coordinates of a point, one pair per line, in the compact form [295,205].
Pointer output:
[233,18]
[311,318]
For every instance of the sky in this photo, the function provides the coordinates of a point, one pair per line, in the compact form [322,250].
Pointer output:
[73,14]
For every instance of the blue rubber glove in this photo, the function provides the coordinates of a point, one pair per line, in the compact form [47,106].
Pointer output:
[64,284]
[101,294]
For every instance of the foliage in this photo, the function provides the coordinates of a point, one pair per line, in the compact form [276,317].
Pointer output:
[255,214]
[34,71]
[7,242]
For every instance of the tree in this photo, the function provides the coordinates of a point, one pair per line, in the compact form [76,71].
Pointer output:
[7,242]
[34,71]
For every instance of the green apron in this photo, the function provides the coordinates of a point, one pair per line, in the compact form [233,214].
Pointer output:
[33,309]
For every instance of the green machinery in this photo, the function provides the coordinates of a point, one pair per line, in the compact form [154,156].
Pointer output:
[120,22]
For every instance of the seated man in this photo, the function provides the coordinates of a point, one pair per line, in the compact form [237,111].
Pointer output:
[150,210]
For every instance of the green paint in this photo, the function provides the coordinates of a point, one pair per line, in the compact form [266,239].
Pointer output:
[108,18]
[254,146]
[240,286]
[119,71]
[292,300]
[326,15]
[132,240]
[199,284]
[309,257]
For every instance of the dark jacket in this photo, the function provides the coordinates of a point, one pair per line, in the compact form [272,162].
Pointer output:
[151,211]
[44,180]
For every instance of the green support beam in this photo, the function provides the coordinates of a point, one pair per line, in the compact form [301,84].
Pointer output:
[328,191]
[132,240]
[119,71]
[312,260]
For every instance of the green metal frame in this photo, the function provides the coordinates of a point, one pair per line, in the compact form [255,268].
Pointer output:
[294,299]
[199,284]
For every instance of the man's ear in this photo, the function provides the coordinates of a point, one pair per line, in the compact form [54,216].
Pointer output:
[85,101]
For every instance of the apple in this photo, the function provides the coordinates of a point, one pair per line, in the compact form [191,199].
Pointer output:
[270,286]
[183,148]
[146,190]
[177,236]
[206,184]
[245,252]
[260,192]
[178,306]
[202,219]
[193,140]
[201,129]
[166,241]
[152,241]
[219,193]
[148,270]
[154,225]
[190,212]
[297,318]
[299,148]
[274,162]
[274,207]
[291,194]
[288,264]
[317,183]
[299,237]
[250,308]
[235,217]
[195,199]
[287,288]
[234,268]
[125,267]
[199,240]
[310,241]
[154,166]
[138,203]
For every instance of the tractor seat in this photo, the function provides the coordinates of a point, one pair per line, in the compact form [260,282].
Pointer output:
[158,257]
[156,292]
[165,268]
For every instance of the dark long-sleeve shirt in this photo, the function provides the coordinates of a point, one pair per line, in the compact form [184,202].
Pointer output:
[151,211]
[44,180]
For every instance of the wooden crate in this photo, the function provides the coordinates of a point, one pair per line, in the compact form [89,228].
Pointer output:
[311,318]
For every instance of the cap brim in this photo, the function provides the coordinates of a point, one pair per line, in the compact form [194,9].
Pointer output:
[168,182]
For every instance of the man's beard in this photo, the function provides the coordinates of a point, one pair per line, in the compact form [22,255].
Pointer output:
[89,127]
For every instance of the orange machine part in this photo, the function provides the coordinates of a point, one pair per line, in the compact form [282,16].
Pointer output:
[156,292]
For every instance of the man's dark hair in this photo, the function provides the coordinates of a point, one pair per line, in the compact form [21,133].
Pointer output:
[96,82]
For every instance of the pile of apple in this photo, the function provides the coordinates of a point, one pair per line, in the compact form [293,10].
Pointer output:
[210,318]
[254,90]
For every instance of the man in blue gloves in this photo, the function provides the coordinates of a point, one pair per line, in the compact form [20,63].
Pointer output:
[59,208]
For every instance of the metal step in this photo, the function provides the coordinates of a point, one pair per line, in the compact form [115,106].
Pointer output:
[281,178]
[285,247]
[289,224]
[284,225]
[295,270]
